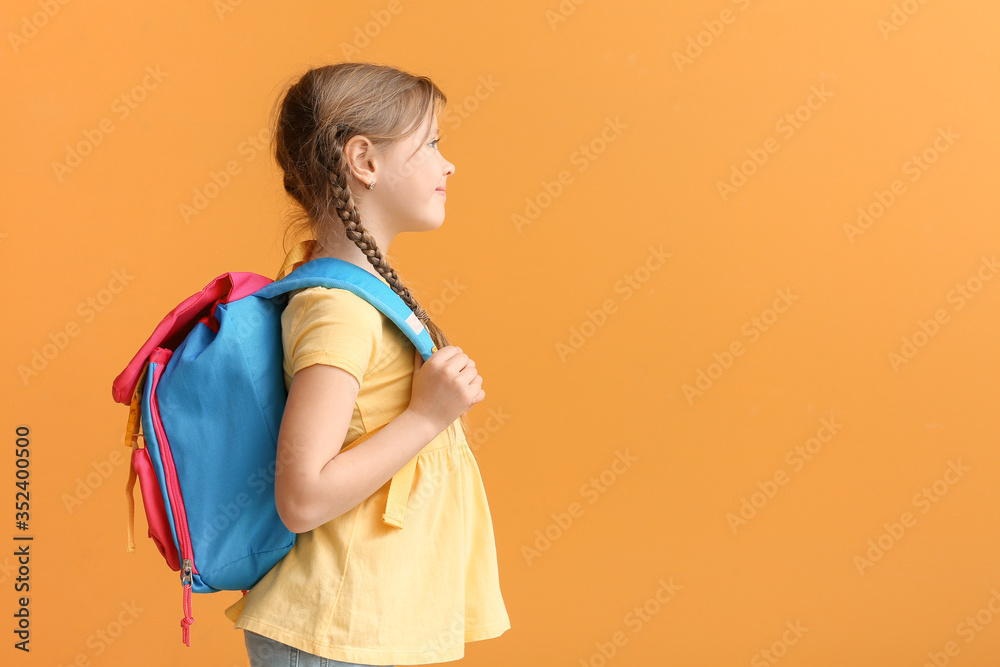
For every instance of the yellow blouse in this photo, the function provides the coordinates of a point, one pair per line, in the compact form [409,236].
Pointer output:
[381,585]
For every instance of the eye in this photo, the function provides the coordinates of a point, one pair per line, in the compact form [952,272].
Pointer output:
[434,143]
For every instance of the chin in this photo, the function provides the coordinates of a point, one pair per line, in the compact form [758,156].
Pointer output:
[428,224]
[436,220]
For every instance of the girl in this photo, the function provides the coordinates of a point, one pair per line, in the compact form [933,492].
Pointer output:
[395,560]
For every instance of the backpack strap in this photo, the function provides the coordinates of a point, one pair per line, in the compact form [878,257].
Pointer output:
[334,273]
[132,441]
[296,256]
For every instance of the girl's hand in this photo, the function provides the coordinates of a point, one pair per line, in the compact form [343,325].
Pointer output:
[445,386]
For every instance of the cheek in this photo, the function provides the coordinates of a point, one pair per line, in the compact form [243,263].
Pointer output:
[426,180]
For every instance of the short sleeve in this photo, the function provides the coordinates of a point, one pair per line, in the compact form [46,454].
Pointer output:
[329,326]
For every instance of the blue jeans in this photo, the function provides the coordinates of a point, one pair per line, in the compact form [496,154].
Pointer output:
[266,652]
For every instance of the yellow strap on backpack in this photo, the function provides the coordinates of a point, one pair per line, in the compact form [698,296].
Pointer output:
[132,436]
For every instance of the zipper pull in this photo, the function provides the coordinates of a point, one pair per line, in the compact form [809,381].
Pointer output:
[187,581]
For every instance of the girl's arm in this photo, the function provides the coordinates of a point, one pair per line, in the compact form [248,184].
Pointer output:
[313,482]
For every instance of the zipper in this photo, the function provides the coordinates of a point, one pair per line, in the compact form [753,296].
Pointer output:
[160,357]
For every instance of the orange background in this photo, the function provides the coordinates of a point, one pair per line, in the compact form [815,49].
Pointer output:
[592,126]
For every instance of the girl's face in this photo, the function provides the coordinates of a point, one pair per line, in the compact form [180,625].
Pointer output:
[410,190]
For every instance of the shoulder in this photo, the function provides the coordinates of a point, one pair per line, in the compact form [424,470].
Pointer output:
[331,326]
[330,303]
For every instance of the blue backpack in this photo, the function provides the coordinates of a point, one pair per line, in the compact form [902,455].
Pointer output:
[207,392]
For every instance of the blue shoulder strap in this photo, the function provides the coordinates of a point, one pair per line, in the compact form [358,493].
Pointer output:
[336,273]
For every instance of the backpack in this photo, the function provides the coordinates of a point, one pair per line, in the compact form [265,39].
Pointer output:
[206,394]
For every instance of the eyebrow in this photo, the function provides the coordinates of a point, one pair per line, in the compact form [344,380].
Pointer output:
[436,132]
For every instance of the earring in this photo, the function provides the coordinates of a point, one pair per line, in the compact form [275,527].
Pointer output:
[371,186]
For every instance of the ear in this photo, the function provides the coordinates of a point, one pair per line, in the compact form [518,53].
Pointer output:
[360,154]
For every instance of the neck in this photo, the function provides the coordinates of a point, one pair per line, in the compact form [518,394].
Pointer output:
[347,251]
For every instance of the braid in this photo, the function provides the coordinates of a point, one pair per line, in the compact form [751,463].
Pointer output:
[331,155]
